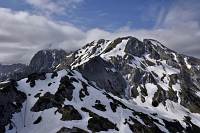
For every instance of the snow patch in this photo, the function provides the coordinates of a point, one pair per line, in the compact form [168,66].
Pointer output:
[187,64]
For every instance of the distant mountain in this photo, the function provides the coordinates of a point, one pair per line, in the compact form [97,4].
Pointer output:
[125,85]
[42,61]
[11,71]
[46,60]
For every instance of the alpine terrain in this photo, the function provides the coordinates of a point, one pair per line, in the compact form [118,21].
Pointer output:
[119,86]
[43,61]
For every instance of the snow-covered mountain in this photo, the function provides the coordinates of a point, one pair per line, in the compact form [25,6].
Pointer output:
[148,72]
[124,85]
[67,102]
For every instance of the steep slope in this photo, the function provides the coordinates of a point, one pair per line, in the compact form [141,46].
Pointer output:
[66,102]
[174,76]
[155,76]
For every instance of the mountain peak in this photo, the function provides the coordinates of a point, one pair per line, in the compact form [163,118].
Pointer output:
[45,60]
[118,47]
[126,84]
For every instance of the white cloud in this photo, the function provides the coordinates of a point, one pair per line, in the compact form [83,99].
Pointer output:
[22,34]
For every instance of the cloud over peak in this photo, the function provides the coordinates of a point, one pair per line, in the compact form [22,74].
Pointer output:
[22,33]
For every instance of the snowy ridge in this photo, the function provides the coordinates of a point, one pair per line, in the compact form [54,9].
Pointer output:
[123,115]
[91,50]
[156,77]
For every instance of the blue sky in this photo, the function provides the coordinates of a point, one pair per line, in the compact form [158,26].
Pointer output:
[31,25]
[106,14]
[112,14]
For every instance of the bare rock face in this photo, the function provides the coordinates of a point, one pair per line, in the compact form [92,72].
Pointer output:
[135,47]
[71,130]
[69,113]
[98,123]
[104,74]
[46,60]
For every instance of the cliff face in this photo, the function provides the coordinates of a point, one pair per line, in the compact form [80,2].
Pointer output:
[46,60]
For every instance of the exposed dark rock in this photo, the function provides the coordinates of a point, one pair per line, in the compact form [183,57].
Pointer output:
[173,126]
[72,79]
[162,78]
[83,92]
[71,130]
[159,97]
[38,120]
[35,76]
[155,103]
[11,101]
[134,92]
[49,84]
[135,47]
[37,95]
[98,123]
[95,70]
[99,106]
[70,73]
[69,113]
[45,102]
[149,63]
[54,74]
[137,127]
[113,106]
[143,91]
[65,89]
[46,60]
[191,128]
[172,95]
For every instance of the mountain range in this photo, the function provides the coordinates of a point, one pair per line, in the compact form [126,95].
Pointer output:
[122,85]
